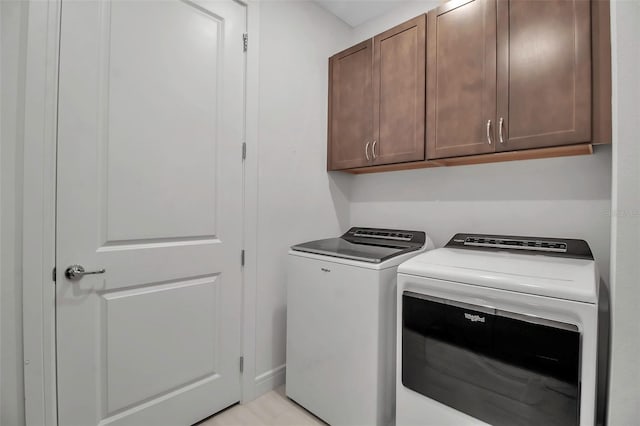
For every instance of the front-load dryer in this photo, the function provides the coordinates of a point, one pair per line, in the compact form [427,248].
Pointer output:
[498,330]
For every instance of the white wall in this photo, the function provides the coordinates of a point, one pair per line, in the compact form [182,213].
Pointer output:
[560,197]
[624,408]
[297,200]
[13,27]
[1,204]
[564,197]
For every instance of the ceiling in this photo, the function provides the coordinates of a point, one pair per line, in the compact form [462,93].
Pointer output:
[356,12]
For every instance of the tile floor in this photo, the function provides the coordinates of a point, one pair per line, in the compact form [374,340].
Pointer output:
[271,409]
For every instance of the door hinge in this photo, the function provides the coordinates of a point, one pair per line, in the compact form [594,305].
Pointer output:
[53,274]
[242,258]
[244,150]
[242,364]
[245,42]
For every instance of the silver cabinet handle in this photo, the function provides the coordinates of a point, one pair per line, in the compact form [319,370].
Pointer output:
[489,132]
[500,126]
[366,151]
[373,149]
[76,272]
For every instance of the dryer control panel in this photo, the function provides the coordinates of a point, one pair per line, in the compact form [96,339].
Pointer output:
[559,247]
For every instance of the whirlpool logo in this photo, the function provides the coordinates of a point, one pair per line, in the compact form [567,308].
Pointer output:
[474,318]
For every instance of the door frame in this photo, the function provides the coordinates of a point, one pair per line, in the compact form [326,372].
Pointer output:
[39,209]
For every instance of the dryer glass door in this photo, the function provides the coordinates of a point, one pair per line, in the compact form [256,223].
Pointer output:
[500,367]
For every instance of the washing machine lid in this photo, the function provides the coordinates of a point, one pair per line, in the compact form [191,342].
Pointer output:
[540,273]
[372,245]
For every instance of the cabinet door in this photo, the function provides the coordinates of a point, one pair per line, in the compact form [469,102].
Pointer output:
[544,73]
[399,93]
[350,107]
[461,78]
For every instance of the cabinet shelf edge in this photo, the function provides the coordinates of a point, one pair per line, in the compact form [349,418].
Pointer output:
[529,154]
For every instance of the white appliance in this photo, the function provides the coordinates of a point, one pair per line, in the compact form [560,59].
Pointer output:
[341,323]
[498,330]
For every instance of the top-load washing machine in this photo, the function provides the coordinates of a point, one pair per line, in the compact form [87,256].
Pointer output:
[341,295]
[500,330]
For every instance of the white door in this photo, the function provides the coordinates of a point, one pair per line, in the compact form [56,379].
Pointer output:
[151,102]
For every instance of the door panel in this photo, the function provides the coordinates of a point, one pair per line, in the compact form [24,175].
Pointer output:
[399,93]
[350,110]
[461,78]
[145,160]
[150,118]
[544,77]
[150,370]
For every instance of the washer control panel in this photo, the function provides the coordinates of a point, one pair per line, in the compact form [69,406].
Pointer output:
[385,237]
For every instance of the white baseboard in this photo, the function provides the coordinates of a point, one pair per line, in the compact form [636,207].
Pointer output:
[270,380]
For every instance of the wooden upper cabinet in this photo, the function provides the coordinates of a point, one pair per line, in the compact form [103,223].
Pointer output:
[544,73]
[461,78]
[600,72]
[484,76]
[399,93]
[350,107]
[377,99]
